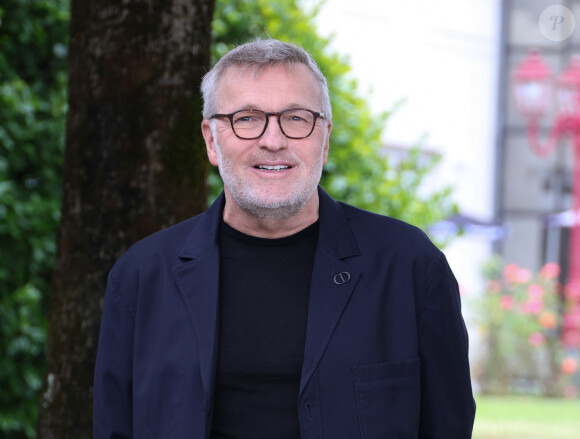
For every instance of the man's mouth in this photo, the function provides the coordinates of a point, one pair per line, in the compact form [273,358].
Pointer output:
[272,167]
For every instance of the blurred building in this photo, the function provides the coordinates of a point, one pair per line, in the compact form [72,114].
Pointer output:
[533,193]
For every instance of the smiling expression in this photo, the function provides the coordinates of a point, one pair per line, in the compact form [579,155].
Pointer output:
[272,175]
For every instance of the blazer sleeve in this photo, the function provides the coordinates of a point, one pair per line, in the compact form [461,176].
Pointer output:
[112,397]
[447,405]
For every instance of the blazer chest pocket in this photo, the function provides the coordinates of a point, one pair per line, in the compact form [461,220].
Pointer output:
[388,399]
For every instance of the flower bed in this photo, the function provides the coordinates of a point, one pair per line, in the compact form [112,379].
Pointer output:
[530,327]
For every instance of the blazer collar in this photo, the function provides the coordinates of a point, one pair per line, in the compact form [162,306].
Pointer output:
[335,234]
[204,235]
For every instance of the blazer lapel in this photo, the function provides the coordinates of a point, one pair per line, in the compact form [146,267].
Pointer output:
[198,282]
[334,278]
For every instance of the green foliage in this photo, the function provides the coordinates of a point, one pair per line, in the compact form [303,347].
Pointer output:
[357,171]
[20,375]
[33,37]
[519,318]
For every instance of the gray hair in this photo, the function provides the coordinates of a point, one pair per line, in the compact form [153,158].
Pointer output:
[258,55]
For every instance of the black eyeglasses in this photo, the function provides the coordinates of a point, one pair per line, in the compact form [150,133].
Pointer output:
[295,123]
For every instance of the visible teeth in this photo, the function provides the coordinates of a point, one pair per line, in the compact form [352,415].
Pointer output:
[273,168]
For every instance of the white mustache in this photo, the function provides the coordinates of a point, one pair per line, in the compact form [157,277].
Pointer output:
[286,158]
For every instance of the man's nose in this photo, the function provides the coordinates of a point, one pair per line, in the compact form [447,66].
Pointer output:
[273,138]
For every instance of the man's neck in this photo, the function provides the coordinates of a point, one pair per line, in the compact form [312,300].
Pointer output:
[270,226]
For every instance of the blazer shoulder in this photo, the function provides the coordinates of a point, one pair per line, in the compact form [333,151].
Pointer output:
[164,245]
[401,245]
[380,230]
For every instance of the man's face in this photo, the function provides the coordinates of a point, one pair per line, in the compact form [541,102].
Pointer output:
[273,171]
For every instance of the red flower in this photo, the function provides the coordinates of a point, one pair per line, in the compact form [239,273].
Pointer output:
[550,271]
[532,306]
[571,339]
[523,276]
[535,291]
[510,272]
[506,302]
[569,365]
[572,291]
[548,320]
[572,318]
[536,339]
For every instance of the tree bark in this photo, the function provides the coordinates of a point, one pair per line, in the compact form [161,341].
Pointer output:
[135,163]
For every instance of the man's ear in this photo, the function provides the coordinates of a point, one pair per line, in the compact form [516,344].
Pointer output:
[209,142]
[328,128]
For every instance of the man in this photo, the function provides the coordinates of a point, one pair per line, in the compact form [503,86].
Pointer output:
[279,312]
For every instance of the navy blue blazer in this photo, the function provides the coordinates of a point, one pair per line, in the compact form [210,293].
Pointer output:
[386,345]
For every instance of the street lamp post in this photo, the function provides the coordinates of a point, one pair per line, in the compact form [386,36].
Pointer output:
[532,87]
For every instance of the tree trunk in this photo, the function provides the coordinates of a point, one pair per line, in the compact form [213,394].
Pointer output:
[135,163]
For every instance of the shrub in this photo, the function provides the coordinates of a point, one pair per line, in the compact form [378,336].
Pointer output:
[520,317]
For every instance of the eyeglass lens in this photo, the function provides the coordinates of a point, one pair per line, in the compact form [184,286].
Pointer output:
[294,123]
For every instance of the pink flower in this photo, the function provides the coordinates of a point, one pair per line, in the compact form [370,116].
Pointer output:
[571,339]
[569,365]
[550,271]
[535,291]
[506,302]
[510,272]
[532,306]
[523,276]
[536,339]
[572,291]
[572,318]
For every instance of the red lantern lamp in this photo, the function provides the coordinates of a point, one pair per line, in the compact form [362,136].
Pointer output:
[531,85]
[531,88]
[569,88]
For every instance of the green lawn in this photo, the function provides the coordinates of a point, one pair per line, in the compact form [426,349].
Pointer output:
[524,417]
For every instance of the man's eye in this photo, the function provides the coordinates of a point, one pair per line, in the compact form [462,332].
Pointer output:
[297,117]
[246,119]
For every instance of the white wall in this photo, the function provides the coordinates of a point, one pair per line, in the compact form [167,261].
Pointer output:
[442,58]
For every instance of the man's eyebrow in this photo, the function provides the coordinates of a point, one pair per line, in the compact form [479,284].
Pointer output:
[258,107]
[247,107]
[292,105]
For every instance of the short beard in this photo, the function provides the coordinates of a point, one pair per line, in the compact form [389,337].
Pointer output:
[260,209]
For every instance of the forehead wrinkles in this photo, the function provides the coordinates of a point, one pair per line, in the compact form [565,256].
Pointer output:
[257,69]
[237,72]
